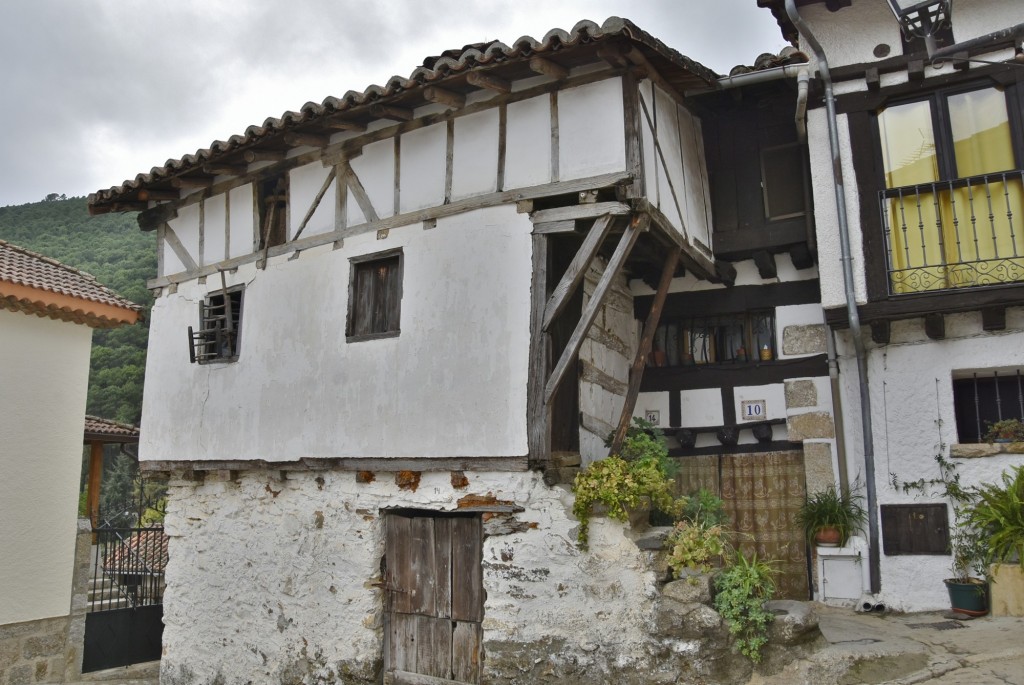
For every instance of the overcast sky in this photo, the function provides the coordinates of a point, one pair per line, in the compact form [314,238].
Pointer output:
[96,91]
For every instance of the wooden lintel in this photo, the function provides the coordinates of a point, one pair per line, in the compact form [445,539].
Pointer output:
[636,372]
[158,195]
[482,79]
[935,326]
[375,464]
[566,226]
[629,237]
[443,96]
[585,211]
[264,155]
[765,262]
[226,169]
[542,65]
[577,269]
[192,182]
[344,125]
[310,139]
[391,112]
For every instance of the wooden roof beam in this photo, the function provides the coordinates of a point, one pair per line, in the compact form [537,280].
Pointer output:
[310,139]
[264,155]
[222,169]
[482,79]
[544,66]
[192,182]
[158,195]
[443,96]
[391,112]
[345,125]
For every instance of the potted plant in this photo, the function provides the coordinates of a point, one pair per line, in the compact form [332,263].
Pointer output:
[1007,430]
[997,512]
[968,588]
[830,517]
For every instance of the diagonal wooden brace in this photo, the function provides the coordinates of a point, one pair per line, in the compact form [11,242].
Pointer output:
[573,276]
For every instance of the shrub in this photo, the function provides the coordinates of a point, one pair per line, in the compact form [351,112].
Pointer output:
[743,588]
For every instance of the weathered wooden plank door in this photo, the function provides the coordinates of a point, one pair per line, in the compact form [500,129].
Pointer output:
[434,599]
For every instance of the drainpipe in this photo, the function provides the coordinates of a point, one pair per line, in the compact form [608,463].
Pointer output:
[851,296]
[837,411]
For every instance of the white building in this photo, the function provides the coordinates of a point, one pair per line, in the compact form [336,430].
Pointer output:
[386,325]
[47,314]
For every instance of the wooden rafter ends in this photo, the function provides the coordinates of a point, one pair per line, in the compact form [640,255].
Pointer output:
[223,169]
[158,195]
[192,182]
[573,276]
[443,96]
[264,155]
[629,237]
[546,67]
[345,125]
[481,79]
[310,139]
[391,112]
[636,372]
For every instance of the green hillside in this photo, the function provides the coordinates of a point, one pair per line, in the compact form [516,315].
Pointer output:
[119,255]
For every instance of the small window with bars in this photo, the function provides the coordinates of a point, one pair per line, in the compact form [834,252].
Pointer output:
[728,339]
[375,296]
[982,399]
[217,339]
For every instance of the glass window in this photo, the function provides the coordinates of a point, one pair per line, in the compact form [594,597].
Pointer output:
[908,144]
[981,132]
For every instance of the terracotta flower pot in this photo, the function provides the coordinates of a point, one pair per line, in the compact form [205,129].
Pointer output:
[827,537]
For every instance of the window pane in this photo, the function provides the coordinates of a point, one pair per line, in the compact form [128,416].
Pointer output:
[908,145]
[981,132]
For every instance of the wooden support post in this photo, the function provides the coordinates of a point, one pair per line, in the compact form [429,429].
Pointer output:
[537,411]
[636,227]
[573,276]
[92,496]
[636,372]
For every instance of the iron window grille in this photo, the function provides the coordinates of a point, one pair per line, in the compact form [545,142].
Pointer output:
[217,338]
[375,296]
[982,399]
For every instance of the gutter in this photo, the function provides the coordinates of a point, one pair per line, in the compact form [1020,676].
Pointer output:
[851,296]
[797,71]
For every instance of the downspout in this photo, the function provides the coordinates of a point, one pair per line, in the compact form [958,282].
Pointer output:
[851,296]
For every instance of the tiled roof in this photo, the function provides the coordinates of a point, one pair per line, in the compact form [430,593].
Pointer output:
[25,278]
[106,430]
[144,552]
[450,67]
[788,55]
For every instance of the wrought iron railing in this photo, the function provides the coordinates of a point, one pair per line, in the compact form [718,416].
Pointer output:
[961,233]
[127,568]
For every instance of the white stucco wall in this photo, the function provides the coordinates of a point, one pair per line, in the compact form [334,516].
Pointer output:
[453,383]
[269,575]
[44,373]
[591,130]
[304,183]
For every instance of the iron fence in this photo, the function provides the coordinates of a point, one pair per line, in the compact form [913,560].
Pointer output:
[127,568]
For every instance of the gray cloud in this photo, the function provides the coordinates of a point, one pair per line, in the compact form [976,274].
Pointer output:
[98,91]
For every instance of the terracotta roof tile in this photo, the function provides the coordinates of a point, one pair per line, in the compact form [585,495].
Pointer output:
[105,428]
[144,552]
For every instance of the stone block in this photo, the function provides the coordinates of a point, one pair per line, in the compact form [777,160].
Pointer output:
[815,424]
[10,652]
[19,675]
[818,466]
[51,644]
[691,587]
[808,339]
[795,622]
[801,393]
[652,539]
[693,621]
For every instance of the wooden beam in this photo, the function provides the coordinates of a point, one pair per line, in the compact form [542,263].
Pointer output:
[356,186]
[153,218]
[881,331]
[765,262]
[129,206]
[443,96]
[613,55]
[636,372]
[566,226]
[577,269]
[264,155]
[993,319]
[585,211]
[726,272]
[391,112]
[192,182]
[92,497]
[158,195]
[316,201]
[345,125]
[171,238]
[538,413]
[310,139]
[542,65]
[801,256]
[618,259]
[482,79]
[225,169]
[376,464]
[935,326]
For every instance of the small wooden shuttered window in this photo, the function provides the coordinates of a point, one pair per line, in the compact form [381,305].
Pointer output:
[375,296]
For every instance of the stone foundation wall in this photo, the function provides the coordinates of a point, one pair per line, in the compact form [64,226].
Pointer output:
[33,651]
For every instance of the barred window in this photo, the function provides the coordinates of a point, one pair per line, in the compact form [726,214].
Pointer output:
[981,399]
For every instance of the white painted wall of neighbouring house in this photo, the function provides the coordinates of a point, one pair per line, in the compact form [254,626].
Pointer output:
[44,373]
[453,383]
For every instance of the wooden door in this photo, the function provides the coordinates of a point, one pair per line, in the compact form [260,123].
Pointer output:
[434,598]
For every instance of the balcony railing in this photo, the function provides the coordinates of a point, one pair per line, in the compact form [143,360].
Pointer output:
[963,233]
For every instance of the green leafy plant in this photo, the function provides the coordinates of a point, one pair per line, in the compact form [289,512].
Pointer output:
[641,471]
[705,508]
[695,547]
[998,514]
[832,508]
[1007,429]
[742,590]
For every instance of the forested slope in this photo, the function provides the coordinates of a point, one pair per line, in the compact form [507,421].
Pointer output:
[119,255]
